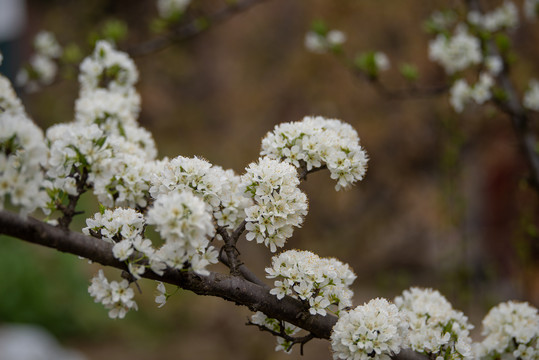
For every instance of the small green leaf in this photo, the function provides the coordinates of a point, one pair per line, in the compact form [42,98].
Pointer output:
[72,54]
[115,30]
[366,62]
[409,72]
[319,27]
[503,43]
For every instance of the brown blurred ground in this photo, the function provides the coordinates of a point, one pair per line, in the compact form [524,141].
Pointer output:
[444,203]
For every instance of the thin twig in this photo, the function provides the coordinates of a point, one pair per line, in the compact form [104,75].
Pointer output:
[282,333]
[303,172]
[69,210]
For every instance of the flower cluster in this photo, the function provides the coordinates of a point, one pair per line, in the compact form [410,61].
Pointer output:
[456,53]
[124,228]
[531,97]
[322,282]
[435,327]
[73,151]
[42,67]
[510,328]
[373,331]
[218,188]
[169,9]
[22,152]
[115,296]
[315,142]
[184,223]
[504,17]
[440,21]
[276,326]
[461,93]
[109,69]
[115,225]
[322,41]
[279,205]
[109,101]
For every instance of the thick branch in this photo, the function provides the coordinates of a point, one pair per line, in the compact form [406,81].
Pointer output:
[231,288]
[191,29]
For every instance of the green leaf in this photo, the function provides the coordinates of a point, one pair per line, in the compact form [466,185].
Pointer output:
[366,62]
[72,54]
[503,42]
[409,72]
[319,27]
[115,30]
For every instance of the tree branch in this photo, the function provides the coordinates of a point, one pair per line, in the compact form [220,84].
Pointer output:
[511,106]
[191,29]
[232,288]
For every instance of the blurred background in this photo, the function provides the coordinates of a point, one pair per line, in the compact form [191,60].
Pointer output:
[445,203]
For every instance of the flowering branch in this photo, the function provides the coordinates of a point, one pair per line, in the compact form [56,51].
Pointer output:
[231,288]
[511,105]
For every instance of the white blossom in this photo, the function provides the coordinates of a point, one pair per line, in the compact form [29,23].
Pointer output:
[169,8]
[22,153]
[279,205]
[503,17]
[494,64]
[262,320]
[381,61]
[461,93]
[375,330]
[45,43]
[117,297]
[184,223]
[531,97]
[510,328]
[435,327]
[318,142]
[41,71]
[456,52]
[107,68]
[161,297]
[324,282]
[321,43]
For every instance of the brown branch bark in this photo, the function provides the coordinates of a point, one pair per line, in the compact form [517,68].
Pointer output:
[232,288]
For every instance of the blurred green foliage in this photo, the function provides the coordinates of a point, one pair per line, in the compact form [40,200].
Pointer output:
[45,287]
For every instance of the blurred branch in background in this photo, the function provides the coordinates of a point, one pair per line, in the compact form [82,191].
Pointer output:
[192,28]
